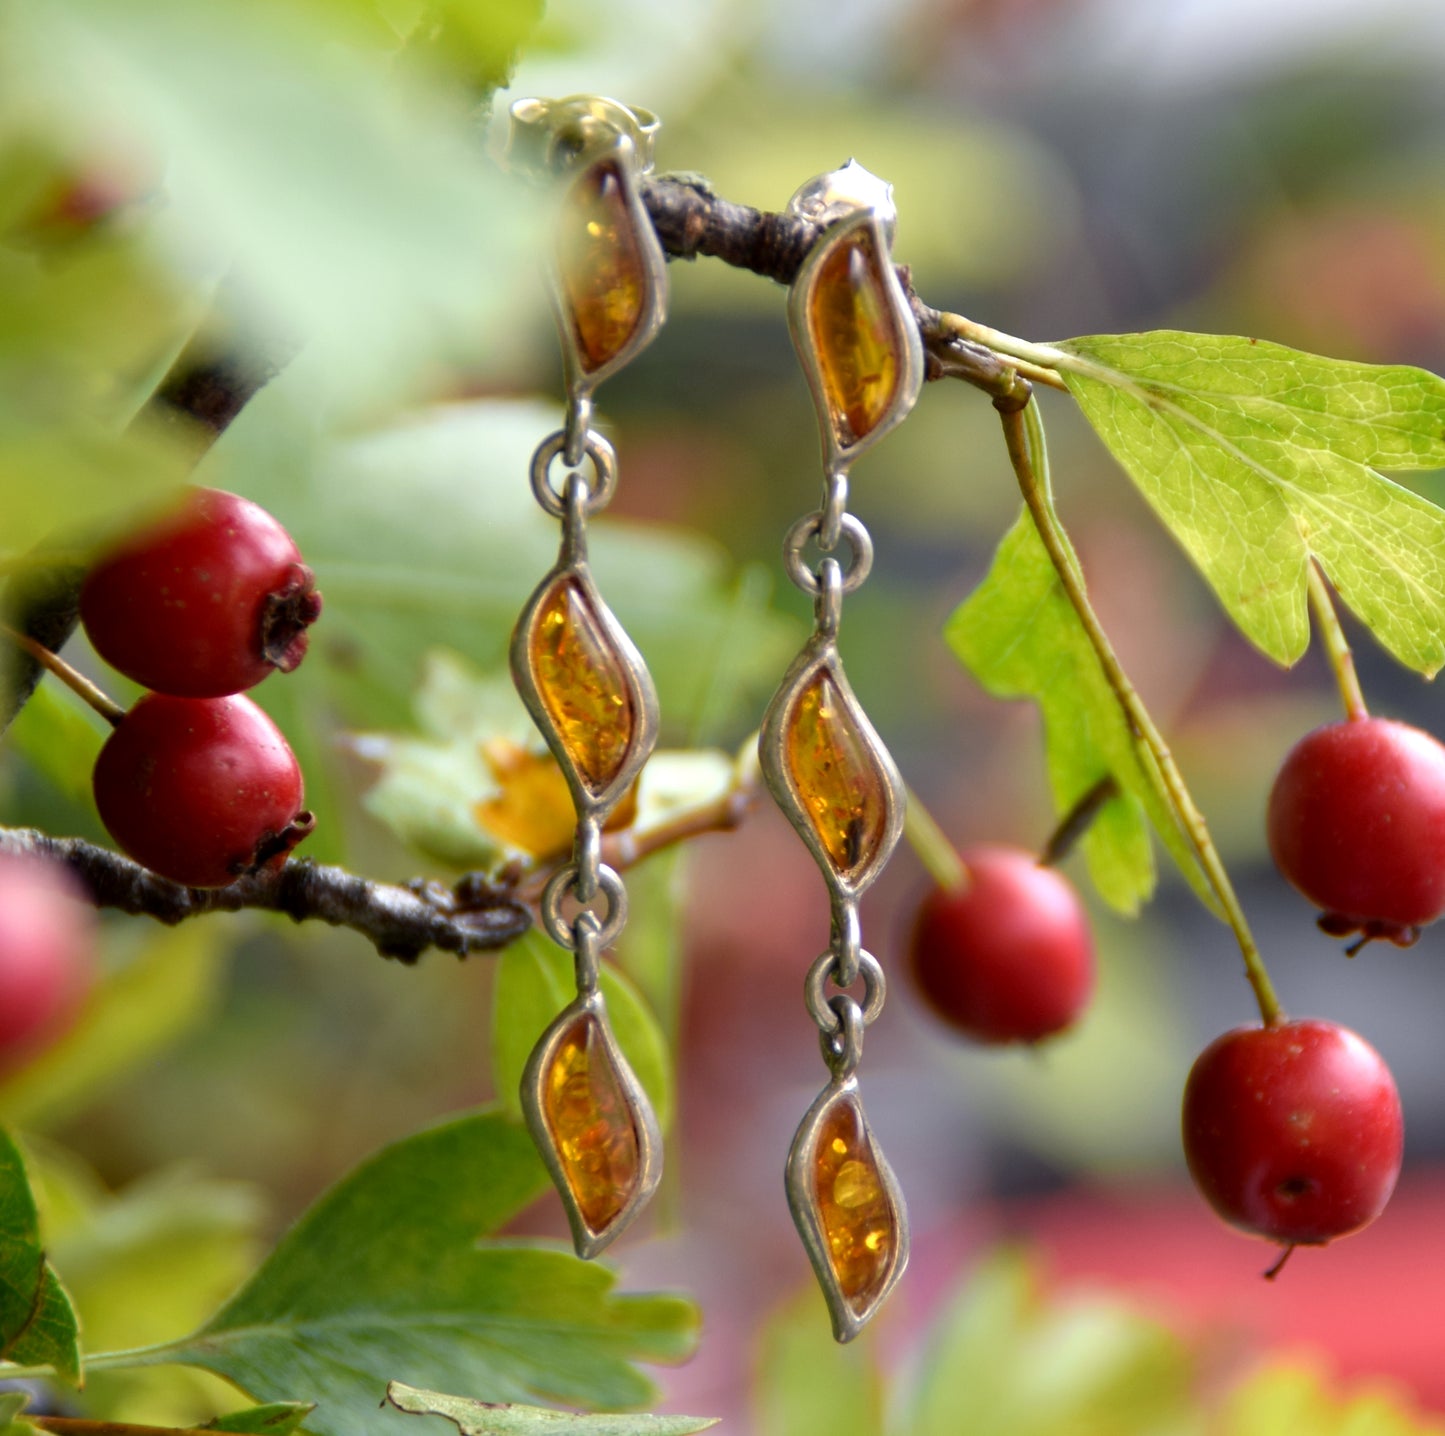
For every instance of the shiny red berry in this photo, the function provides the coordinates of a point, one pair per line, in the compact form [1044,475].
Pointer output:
[204,603]
[47,956]
[1008,956]
[200,790]
[1357,823]
[1293,1132]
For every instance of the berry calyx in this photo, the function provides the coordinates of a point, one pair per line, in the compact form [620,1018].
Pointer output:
[47,942]
[200,790]
[1006,956]
[206,602]
[1293,1132]
[1356,822]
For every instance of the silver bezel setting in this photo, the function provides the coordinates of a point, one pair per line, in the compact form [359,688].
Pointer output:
[838,454]
[581,382]
[586,1241]
[639,683]
[847,1322]
[820,654]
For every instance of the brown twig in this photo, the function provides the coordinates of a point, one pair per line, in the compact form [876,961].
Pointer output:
[401,922]
[691,220]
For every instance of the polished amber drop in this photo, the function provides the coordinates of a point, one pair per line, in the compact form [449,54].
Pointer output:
[855,337]
[591,1123]
[604,275]
[853,1204]
[583,684]
[836,776]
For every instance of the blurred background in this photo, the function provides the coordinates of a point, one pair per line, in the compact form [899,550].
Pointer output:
[1061,167]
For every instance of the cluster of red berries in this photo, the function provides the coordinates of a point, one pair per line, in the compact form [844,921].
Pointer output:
[1292,1131]
[197,783]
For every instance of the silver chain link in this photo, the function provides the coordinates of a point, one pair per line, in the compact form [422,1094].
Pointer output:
[586,878]
[841,1020]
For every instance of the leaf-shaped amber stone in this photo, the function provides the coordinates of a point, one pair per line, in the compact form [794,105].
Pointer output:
[583,684]
[855,337]
[858,1220]
[837,776]
[604,275]
[591,1123]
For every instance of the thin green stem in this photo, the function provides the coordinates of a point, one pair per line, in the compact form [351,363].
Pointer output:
[1037,362]
[930,842]
[1024,435]
[42,1372]
[76,681]
[1337,647]
[101,1361]
[132,1356]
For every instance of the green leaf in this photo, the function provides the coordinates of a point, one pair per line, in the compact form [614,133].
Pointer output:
[277,1418]
[161,992]
[533,984]
[387,1273]
[481,1418]
[1284,1398]
[37,1321]
[147,1263]
[356,205]
[1003,1362]
[1019,636]
[60,737]
[1259,457]
[808,1385]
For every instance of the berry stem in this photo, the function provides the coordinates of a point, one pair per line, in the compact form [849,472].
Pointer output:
[76,681]
[1337,647]
[938,856]
[1075,823]
[1024,435]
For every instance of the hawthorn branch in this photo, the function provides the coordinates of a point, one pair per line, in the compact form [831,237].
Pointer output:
[401,922]
[692,220]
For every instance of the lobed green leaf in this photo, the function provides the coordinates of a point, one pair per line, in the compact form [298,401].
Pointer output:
[387,1273]
[1003,1362]
[37,1322]
[1019,636]
[1260,458]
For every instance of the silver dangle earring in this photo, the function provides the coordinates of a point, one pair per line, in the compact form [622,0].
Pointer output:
[820,756]
[582,680]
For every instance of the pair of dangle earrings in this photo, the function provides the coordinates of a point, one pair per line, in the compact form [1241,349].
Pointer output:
[589,692]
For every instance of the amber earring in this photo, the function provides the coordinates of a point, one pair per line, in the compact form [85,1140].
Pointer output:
[584,683]
[821,758]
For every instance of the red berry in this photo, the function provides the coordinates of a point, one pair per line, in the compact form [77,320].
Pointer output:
[46,955]
[204,603]
[1293,1132]
[1008,957]
[1357,823]
[200,790]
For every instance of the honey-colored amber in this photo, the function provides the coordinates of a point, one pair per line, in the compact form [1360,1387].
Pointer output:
[604,275]
[858,1219]
[591,1123]
[583,684]
[855,337]
[836,776]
